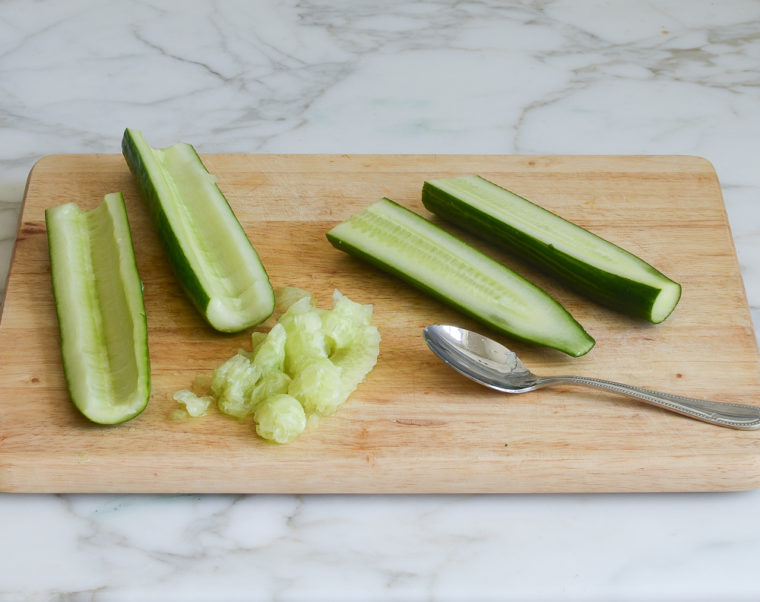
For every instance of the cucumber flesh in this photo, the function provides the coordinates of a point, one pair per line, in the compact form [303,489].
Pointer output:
[211,255]
[401,242]
[591,265]
[311,357]
[101,313]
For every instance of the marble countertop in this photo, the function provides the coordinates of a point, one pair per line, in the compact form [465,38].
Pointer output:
[596,77]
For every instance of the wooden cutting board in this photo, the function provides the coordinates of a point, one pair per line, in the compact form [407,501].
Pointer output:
[414,425]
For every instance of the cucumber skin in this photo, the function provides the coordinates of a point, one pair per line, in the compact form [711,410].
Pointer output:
[354,251]
[145,363]
[181,266]
[612,290]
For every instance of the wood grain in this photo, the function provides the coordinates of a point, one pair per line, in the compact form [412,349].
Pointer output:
[414,425]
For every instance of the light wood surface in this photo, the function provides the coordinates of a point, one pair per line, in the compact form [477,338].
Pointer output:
[414,425]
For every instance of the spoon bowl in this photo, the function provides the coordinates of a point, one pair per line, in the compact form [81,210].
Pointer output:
[491,364]
[479,358]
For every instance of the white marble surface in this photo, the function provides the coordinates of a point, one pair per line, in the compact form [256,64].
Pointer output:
[466,76]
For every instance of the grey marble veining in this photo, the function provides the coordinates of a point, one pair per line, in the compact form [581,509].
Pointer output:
[553,76]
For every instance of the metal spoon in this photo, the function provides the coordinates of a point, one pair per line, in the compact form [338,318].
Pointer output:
[491,364]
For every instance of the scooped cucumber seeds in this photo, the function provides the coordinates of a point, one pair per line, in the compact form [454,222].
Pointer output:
[303,369]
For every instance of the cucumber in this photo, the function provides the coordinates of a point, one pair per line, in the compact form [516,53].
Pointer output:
[401,242]
[583,261]
[101,313]
[211,255]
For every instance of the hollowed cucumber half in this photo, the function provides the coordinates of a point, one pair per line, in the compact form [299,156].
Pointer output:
[101,314]
[212,257]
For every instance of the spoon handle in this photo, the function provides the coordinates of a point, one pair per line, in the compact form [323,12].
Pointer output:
[731,415]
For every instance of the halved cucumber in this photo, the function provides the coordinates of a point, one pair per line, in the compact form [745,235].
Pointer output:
[584,261]
[101,314]
[403,243]
[208,248]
